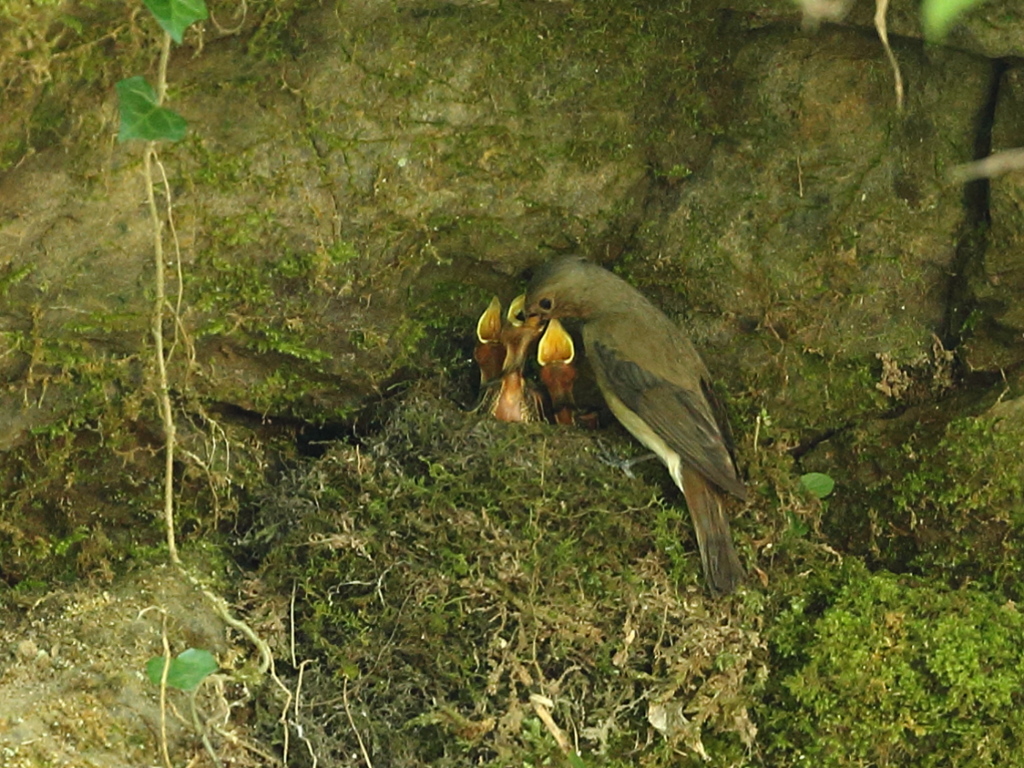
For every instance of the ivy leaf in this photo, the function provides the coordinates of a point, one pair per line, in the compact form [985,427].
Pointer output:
[817,484]
[142,118]
[187,670]
[937,16]
[175,16]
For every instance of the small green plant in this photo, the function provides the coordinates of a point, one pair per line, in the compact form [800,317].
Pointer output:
[144,118]
[818,484]
[185,672]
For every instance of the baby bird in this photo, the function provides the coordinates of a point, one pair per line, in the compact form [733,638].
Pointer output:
[555,355]
[512,397]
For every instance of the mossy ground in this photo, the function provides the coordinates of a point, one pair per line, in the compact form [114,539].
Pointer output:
[426,580]
[937,497]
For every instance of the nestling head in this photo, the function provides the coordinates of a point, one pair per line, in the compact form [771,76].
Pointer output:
[570,286]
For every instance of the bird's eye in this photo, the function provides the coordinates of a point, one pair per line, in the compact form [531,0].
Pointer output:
[546,304]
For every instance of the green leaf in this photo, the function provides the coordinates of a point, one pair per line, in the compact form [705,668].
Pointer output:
[175,16]
[937,16]
[187,670]
[142,118]
[818,484]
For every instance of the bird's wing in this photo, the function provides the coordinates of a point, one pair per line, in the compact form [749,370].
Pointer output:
[682,417]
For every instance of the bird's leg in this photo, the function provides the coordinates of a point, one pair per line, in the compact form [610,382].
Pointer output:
[605,456]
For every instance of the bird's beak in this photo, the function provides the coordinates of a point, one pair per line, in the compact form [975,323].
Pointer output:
[556,345]
[534,321]
[490,350]
[518,335]
[488,327]
[517,310]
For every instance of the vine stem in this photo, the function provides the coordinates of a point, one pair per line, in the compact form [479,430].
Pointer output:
[157,329]
[163,397]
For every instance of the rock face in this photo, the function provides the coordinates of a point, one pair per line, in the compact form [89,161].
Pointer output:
[357,178]
[819,234]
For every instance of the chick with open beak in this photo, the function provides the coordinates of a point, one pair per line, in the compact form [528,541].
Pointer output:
[555,355]
[512,397]
[657,386]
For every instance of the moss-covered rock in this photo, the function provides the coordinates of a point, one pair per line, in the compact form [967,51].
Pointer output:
[896,671]
[930,493]
[995,332]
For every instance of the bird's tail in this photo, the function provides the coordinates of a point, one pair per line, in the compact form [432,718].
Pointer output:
[721,563]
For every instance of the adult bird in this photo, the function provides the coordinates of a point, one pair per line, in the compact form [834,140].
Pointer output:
[655,384]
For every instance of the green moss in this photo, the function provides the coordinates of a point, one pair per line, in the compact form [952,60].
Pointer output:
[221,171]
[56,64]
[12,276]
[264,301]
[962,501]
[846,386]
[79,489]
[897,672]
[274,38]
[285,389]
[69,505]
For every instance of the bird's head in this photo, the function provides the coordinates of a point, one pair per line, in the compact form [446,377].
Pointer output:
[569,286]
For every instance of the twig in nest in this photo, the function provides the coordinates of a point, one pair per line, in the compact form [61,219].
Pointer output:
[348,713]
[542,706]
[298,700]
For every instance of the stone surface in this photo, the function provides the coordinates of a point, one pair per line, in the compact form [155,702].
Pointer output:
[819,235]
